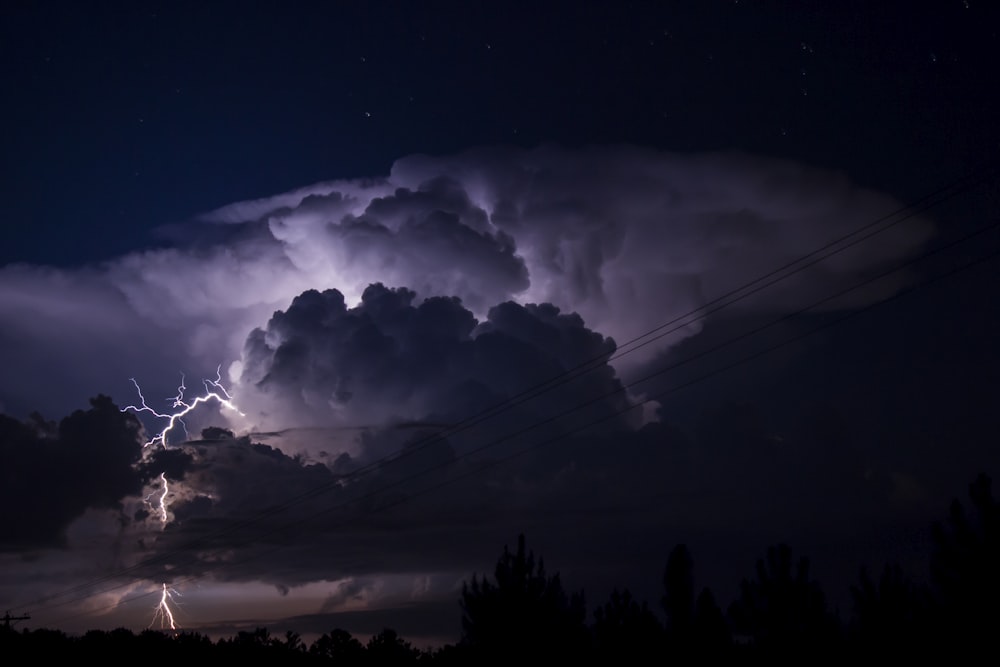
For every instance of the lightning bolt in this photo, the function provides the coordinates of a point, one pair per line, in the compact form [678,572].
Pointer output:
[214,390]
[162,611]
[161,504]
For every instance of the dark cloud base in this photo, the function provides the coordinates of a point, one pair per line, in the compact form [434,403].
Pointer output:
[367,340]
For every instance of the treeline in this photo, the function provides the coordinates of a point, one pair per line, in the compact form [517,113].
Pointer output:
[523,613]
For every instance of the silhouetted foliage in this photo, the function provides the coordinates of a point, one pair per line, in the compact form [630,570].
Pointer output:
[524,613]
[678,592]
[711,633]
[626,631]
[692,625]
[259,644]
[448,655]
[339,646]
[190,645]
[42,645]
[782,611]
[259,637]
[964,568]
[388,648]
[293,642]
[889,615]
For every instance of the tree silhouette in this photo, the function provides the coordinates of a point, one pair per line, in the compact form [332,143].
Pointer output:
[625,631]
[388,648]
[523,614]
[42,645]
[678,592]
[293,642]
[964,568]
[338,645]
[258,637]
[190,645]
[711,633]
[247,644]
[782,611]
[692,625]
[889,615]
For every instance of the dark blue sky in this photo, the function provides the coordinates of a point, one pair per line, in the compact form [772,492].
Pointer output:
[126,117]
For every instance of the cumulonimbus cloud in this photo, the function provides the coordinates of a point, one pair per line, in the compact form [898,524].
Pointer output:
[392,361]
[627,238]
[387,310]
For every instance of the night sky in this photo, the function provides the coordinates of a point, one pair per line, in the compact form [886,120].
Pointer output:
[753,243]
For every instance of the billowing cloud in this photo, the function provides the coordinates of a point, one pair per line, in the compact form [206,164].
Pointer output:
[627,238]
[411,372]
[390,360]
[360,324]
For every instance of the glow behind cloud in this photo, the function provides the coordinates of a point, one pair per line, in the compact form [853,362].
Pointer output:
[628,238]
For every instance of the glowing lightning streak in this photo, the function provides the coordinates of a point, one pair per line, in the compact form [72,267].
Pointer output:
[163,612]
[213,390]
[162,504]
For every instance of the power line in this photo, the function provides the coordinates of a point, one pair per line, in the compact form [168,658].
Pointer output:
[725,300]
[861,234]
[609,417]
[553,418]
[7,618]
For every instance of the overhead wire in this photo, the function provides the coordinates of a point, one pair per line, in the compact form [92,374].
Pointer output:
[840,244]
[616,413]
[554,418]
[866,231]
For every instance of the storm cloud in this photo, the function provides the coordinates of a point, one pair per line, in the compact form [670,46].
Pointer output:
[626,238]
[364,327]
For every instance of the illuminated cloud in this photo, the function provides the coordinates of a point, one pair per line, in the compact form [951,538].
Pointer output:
[392,360]
[360,322]
[627,238]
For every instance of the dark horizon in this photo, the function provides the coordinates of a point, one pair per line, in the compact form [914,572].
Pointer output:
[523,608]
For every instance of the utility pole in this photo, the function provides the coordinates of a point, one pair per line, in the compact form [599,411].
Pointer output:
[7,618]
